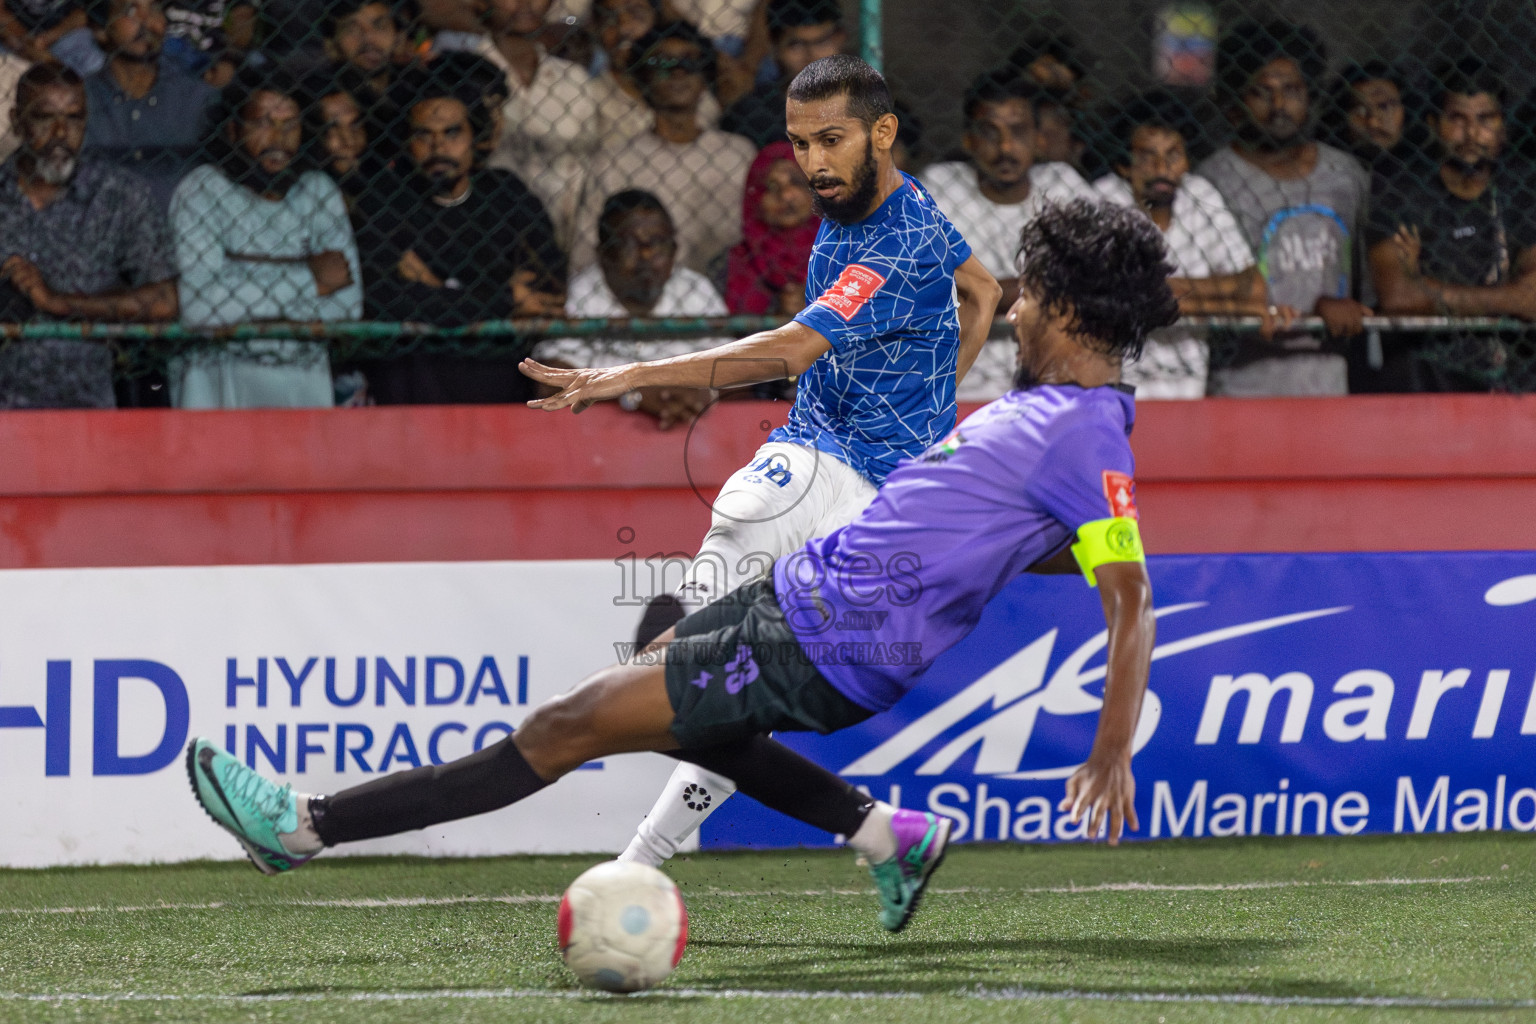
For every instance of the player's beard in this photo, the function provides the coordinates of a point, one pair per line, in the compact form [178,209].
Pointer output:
[1024,375]
[865,184]
[1024,378]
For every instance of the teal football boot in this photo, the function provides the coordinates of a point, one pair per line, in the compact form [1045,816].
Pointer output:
[253,809]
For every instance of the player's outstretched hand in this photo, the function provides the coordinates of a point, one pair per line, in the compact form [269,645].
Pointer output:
[576,388]
[1103,786]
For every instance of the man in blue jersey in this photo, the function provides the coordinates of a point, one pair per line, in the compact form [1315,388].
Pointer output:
[897,309]
[1040,480]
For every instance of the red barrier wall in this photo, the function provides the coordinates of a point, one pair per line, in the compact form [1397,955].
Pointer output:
[151,487]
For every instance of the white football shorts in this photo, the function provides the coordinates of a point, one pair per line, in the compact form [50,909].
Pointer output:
[786,495]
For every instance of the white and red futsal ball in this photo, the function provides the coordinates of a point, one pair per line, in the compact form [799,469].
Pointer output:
[623,927]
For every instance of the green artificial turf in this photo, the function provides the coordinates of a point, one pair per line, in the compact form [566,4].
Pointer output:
[1001,938]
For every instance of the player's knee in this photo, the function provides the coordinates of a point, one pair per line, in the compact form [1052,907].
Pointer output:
[553,723]
[559,734]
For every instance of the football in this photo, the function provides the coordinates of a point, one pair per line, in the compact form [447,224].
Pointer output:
[623,927]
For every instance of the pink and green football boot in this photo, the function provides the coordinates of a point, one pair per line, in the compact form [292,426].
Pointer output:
[921,840]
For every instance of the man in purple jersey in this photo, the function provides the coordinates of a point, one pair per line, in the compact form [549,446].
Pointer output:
[1040,480]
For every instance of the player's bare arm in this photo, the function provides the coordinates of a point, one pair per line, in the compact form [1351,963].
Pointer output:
[979,294]
[768,355]
[1104,787]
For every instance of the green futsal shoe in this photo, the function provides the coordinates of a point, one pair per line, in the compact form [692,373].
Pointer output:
[253,809]
[921,840]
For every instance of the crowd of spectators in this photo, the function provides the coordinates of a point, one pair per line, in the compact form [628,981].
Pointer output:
[449,163]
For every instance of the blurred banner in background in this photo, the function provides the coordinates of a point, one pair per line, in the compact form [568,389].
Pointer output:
[1290,694]
[322,675]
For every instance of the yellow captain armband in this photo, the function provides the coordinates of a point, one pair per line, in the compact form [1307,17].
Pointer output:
[1107,540]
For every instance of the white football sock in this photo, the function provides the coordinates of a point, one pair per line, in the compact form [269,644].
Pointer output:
[303,841]
[690,796]
[875,839]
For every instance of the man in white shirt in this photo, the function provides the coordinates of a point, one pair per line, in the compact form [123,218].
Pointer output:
[621,109]
[1216,274]
[698,174]
[636,276]
[992,195]
[259,237]
[549,124]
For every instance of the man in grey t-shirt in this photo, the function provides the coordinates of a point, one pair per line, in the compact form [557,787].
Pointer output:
[1300,204]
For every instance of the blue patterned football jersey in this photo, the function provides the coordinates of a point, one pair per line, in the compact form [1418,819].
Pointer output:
[882,292]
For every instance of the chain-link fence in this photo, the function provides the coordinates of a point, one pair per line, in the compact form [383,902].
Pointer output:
[301,202]
[1364,164]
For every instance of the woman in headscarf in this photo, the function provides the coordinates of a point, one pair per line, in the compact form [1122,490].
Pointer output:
[766,272]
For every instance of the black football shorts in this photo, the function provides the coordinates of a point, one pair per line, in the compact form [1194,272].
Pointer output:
[735,669]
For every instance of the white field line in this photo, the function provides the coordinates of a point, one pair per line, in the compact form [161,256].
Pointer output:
[985,994]
[448,901]
[342,904]
[1250,999]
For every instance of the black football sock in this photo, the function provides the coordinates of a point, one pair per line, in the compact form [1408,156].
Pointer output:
[664,612]
[484,781]
[780,779]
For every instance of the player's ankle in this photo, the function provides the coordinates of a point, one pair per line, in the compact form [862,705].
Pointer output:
[642,851]
[649,847]
[875,838]
[303,841]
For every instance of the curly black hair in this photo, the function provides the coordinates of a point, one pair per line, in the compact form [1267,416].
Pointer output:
[1158,108]
[404,13]
[1249,45]
[1106,267]
[443,79]
[1468,76]
[999,86]
[227,113]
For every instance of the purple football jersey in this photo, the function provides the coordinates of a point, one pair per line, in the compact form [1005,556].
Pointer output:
[874,603]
